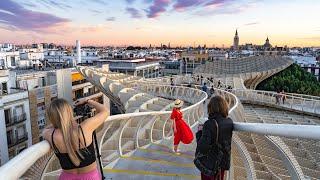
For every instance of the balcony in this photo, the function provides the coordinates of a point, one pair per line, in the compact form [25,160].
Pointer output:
[77,86]
[19,139]
[4,72]
[22,138]
[16,119]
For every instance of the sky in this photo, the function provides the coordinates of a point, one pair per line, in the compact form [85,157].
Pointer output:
[144,22]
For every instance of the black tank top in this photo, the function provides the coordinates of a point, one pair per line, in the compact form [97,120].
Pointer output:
[88,154]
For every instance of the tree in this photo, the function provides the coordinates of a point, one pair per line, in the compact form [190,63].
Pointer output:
[294,79]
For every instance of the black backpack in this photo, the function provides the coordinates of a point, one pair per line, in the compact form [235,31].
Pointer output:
[210,165]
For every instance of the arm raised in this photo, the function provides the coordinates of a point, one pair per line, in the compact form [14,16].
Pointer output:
[94,122]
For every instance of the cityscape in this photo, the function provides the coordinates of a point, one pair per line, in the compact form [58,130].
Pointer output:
[137,57]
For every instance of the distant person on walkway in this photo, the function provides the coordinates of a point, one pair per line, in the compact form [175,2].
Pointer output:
[229,89]
[204,87]
[71,142]
[283,96]
[171,81]
[181,130]
[214,141]
[219,84]
[278,97]
[212,91]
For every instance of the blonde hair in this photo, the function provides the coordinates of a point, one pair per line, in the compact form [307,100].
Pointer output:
[60,114]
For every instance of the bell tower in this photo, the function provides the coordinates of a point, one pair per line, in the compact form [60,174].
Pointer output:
[236,41]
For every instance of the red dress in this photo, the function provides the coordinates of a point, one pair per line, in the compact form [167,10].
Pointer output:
[184,133]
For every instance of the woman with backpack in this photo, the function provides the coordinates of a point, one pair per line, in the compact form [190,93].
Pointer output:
[214,141]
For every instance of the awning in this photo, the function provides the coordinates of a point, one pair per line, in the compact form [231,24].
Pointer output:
[77,77]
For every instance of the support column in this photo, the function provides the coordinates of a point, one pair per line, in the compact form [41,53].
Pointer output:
[34,116]
[64,84]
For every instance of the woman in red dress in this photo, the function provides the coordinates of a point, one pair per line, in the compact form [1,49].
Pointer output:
[182,131]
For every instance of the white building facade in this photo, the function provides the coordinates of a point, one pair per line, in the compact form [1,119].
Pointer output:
[15,125]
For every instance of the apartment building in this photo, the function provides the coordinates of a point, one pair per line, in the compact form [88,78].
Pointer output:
[15,124]
[42,96]
[9,59]
[193,58]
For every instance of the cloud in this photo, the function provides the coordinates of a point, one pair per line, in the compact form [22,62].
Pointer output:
[216,2]
[251,24]
[100,2]
[24,19]
[219,7]
[181,5]
[130,1]
[56,4]
[93,29]
[134,13]
[95,11]
[29,4]
[111,19]
[157,7]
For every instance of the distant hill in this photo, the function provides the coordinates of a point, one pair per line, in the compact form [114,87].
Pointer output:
[294,80]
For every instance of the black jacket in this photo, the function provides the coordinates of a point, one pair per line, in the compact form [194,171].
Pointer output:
[207,137]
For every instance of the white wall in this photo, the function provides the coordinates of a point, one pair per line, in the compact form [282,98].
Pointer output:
[5,59]
[3,137]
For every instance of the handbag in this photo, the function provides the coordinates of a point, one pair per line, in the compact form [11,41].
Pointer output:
[209,165]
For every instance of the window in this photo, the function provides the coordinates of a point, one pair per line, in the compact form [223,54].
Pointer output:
[4,88]
[13,61]
[7,116]
[10,137]
[43,81]
[21,132]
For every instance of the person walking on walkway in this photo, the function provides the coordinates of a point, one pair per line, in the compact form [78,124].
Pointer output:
[205,88]
[219,84]
[283,96]
[72,142]
[211,91]
[278,97]
[182,131]
[214,141]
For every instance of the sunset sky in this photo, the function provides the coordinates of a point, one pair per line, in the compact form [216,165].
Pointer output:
[144,22]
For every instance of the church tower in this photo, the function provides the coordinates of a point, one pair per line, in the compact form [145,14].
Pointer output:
[236,41]
[267,44]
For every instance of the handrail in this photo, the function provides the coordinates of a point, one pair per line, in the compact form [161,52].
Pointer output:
[286,130]
[17,166]
[294,95]
[268,98]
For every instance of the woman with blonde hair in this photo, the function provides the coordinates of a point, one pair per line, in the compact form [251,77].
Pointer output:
[182,131]
[72,142]
[214,141]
